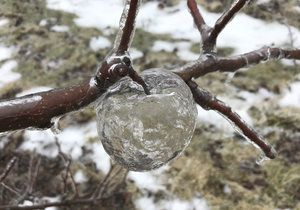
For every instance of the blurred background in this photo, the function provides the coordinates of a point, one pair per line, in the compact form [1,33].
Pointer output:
[47,44]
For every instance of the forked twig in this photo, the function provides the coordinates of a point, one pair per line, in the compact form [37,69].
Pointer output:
[225,19]
[34,167]
[112,173]
[209,35]
[209,102]
[68,160]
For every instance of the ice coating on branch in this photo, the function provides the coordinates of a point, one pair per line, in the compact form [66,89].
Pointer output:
[143,132]
[123,22]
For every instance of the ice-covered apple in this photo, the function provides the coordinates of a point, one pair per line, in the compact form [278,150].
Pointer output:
[143,132]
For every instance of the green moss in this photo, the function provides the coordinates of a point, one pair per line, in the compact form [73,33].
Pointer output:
[144,40]
[271,75]
[276,10]
[286,118]
[47,57]
[284,184]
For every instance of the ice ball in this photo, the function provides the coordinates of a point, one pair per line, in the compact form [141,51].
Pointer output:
[143,132]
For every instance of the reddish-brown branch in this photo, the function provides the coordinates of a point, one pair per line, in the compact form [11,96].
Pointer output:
[38,110]
[203,28]
[225,19]
[198,19]
[209,63]
[209,102]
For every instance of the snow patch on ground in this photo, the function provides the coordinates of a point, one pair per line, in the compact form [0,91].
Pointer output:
[240,104]
[182,49]
[244,33]
[80,177]
[3,22]
[7,74]
[7,67]
[148,203]
[100,42]
[100,157]
[292,96]
[154,181]
[58,28]
[297,8]
[135,53]
[150,181]
[5,52]
[71,140]
[91,13]
[163,46]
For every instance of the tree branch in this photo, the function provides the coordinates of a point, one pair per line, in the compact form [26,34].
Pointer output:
[225,19]
[38,110]
[209,63]
[203,28]
[209,102]
[198,19]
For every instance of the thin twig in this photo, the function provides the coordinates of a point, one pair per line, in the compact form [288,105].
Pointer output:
[11,189]
[8,168]
[68,173]
[34,170]
[105,182]
[198,19]
[32,176]
[203,28]
[209,102]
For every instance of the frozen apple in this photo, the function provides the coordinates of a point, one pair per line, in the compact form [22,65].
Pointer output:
[143,132]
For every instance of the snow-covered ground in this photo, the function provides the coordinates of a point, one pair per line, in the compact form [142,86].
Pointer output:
[8,65]
[244,34]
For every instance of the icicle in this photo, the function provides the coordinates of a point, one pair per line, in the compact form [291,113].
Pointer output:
[230,77]
[55,128]
[261,159]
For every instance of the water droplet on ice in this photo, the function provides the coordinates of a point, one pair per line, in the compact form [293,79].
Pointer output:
[230,77]
[143,132]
